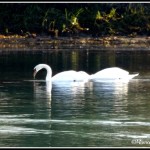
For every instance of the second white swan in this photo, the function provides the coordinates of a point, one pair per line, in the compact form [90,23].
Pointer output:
[112,73]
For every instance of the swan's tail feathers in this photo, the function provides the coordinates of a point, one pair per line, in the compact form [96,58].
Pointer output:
[133,75]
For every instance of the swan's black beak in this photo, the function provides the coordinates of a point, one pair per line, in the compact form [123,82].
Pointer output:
[34,73]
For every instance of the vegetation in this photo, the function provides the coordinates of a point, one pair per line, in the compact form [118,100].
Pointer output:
[68,19]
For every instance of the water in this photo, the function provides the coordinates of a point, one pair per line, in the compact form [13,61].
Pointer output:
[99,114]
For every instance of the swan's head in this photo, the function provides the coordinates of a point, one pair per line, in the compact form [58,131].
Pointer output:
[36,69]
[42,66]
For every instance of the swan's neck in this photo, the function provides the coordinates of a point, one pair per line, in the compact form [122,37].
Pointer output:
[48,76]
[49,73]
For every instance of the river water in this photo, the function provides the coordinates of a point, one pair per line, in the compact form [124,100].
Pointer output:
[98,114]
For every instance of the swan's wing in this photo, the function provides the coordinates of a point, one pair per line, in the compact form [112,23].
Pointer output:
[82,76]
[64,76]
[71,76]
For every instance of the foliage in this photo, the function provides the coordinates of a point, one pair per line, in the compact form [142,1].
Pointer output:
[75,18]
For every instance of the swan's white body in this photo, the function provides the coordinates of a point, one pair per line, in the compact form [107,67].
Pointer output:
[70,76]
[113,73]
[73,76]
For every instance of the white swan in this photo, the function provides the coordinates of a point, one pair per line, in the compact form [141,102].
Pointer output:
[71,75]
[113,73]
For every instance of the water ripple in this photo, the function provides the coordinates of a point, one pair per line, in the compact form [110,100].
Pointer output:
[11,120]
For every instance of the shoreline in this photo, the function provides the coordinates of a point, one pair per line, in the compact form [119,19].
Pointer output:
[24,42]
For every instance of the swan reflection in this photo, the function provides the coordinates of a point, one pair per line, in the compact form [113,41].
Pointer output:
[71,98]
[42,88]
[113,87]
[112,94]
[42,97]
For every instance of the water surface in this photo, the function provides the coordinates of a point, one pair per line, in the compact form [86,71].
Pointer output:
[99,114]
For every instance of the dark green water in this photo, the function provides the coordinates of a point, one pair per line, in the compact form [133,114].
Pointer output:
[99,114]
